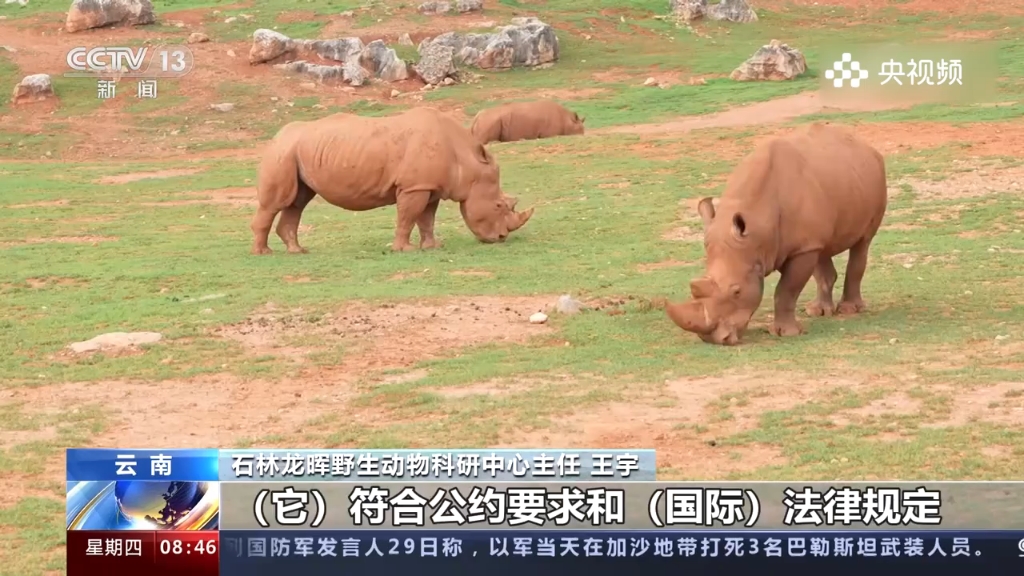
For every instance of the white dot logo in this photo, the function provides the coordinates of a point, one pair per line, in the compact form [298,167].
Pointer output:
[846,69]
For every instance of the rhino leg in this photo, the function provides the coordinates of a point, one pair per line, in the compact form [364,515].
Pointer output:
[825,276]
[288,224]
[795,274]
[425,223]
[261,224]
[855,267]
[411,205]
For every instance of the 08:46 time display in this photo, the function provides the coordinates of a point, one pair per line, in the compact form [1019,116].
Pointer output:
[176,546]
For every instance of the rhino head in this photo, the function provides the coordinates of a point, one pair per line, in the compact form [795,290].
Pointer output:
[488,213]
[576,127]
[729,293]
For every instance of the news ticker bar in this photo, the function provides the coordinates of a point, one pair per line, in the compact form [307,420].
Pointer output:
[442,552]
[210,465]
[622,505]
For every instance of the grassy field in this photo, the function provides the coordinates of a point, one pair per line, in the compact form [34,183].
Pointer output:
[133,216]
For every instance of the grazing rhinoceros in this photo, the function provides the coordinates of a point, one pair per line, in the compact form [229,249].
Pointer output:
[525,121]
[791,205]
[414,159]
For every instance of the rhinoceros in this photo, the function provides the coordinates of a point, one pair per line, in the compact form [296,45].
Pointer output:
[525,121]
[414,160]
[791,205]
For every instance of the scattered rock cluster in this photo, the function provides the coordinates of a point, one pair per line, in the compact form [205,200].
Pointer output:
[526,42]
[774,61]
[443,7]
[32,88]
[86,14]
[359,62]
[730,10]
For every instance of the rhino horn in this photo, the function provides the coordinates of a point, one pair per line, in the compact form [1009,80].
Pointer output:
[519,219]
[690,316]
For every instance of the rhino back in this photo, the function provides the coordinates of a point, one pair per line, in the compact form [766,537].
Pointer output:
[832,189]
[360,163]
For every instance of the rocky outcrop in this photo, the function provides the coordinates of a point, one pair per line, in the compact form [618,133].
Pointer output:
[732,10]
[33,89]
[526,42]
[774,62]
[86,14]
[433,7]
[359,62]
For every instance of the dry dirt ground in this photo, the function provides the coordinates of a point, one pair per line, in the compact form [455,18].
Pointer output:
[378,336]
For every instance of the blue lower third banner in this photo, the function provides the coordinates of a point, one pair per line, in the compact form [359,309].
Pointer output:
[651,553]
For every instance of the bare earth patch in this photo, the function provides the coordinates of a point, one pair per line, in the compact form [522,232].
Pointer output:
[650,267]
[136,176]
[1001,404]
[43,204]
[898,404]
[94,240]
[683,422]
[472,273]
[769,112]
[975,183]
[243,196]
[395,335]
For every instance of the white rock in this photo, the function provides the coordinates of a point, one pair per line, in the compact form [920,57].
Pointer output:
[538,318]
[115,340]
[225,107]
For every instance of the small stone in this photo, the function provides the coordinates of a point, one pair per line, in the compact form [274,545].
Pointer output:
[568,305]
[395,93]
[274,98]
[1002,337]
[893,340]
[968,293]
[231,53]
[405,39]
[347,14]
[650,82]
[206,311]
[231,20]
[538,318]
[448,81]
[197,37]
[224,107]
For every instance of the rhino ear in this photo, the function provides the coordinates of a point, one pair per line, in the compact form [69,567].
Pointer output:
[706,209]
[485,156]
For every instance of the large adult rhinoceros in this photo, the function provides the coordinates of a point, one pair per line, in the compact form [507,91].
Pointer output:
[414,160]
[790,206]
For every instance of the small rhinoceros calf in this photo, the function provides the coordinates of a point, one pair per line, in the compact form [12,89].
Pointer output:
[414,160]
[791,205]
[526,121]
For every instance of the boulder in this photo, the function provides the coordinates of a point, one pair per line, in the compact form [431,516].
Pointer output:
[463,6]
[359,62]
[268,45]
[114,340]
[689,10]
[526,42]
[774,61]
[33,88]
[433,7]
[732,10]
[85,14]
[383,62]
[436,63]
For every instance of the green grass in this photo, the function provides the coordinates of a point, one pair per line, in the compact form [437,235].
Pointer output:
[136,257]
